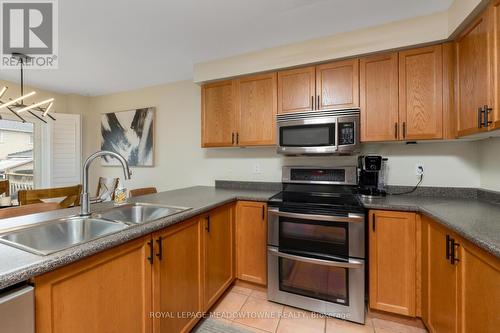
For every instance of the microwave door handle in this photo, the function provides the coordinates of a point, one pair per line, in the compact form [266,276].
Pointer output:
[336,136]
[351,217]
[352,263]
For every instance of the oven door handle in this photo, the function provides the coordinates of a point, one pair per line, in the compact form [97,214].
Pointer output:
[352,263]
[351,217]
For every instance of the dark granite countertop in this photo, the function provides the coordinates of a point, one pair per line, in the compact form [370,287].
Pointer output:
[475,220]
[17,265]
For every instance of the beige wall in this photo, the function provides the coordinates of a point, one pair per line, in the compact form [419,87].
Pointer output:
[490,164]
[414,31]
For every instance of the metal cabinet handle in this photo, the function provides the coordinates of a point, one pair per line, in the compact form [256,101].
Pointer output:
[207,227]
[351,217]
[374,218]
[454,246]
[160,248]
[263,212]
[312,103]
[487,111]
[404,129]
[396,131]
[237,138]
[480,113]
[232,138]
[448,240]
[352,263]
[317,103]
[151,250]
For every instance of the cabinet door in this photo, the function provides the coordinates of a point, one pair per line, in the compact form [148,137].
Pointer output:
[479,287]
[178,276]
[218,114]
[473,74]
[256,110]
[379,97]
[219,258]
[495,26]
[392,244]
[251,241]
[108,292]
[296,90]
[421,93]
[439,282]
[337,85]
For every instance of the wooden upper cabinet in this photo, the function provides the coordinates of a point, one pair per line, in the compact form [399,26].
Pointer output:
[421,93]
[393,260]
[474,81]
[251,241]
[439,280]
[219,257]
[379,97]
[495,26]
[107,292]
[218,114]
[257,104]
[178,275]
[337,85]
[296,90]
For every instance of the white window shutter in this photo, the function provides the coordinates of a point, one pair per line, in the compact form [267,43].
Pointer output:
[66,150]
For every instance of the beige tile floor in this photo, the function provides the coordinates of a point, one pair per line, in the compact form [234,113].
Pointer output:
[246,307]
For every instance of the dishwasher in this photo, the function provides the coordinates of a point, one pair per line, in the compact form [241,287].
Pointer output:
[17,310]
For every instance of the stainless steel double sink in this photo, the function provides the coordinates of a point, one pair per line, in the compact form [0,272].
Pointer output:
[56,235]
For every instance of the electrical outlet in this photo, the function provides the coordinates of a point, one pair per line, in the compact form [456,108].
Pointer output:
[257,168]
[419,169]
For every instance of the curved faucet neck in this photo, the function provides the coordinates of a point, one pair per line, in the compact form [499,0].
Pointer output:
[85,199]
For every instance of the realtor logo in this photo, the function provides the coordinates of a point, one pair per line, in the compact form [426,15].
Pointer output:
[29,28]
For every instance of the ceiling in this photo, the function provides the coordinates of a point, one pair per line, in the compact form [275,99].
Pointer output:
[117,45]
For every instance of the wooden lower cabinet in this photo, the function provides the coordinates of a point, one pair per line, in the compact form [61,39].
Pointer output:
[463,296]
[393,262]
[177,276]
[251,241]
[218,238]
[478,289]
[107,292]
[439,280]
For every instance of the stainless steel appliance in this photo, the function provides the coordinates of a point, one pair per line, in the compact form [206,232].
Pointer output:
[371,170]
[17,310]
[316,242]
[319,132]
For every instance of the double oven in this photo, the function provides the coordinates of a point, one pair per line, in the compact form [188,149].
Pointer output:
[316,243]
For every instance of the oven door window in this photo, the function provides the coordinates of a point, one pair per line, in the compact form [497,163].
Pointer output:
[307,135]
[327,283]
[313,236]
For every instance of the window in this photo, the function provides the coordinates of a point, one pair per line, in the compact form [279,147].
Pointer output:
[16,155]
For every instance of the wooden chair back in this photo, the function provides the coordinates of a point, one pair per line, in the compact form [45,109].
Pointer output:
[5,187]
[28,209]
[142,191]
[71,195]
[106,188]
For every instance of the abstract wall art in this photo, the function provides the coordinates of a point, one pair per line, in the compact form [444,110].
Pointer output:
[131,134]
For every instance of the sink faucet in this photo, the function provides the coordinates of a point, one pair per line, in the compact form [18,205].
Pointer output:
[84,198]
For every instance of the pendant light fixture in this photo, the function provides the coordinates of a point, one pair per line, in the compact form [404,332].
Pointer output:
[17,106]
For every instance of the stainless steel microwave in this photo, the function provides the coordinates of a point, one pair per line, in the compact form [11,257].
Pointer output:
[327,132]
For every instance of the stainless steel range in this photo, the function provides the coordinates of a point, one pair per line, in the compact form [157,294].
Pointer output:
[316,242]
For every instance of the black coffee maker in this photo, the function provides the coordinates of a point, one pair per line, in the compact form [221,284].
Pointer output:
[371,175]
